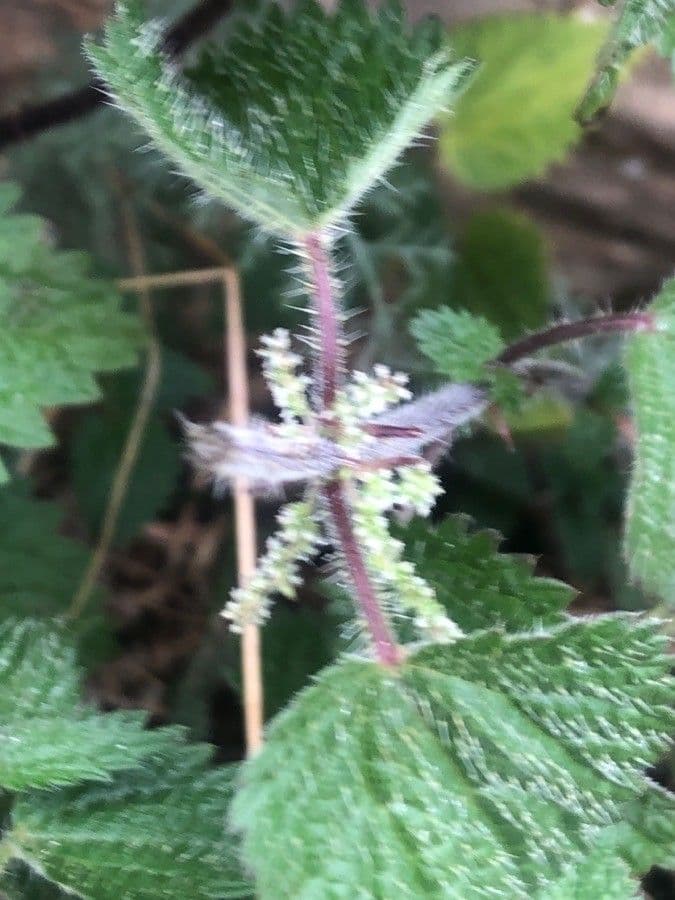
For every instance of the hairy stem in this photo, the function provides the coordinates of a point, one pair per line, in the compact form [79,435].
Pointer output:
[329,358]
[328,365]
[569,331]
[340,513]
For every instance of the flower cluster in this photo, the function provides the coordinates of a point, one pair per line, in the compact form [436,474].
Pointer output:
[365,397]
[287,386]
[374,495]
[278,570]
[343,445]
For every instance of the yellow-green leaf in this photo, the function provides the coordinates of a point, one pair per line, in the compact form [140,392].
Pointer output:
[517,115]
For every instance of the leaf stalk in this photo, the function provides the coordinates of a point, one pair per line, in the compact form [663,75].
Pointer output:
[570,331]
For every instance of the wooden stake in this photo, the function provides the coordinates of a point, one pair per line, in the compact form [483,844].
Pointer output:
[244,506]
[244,509]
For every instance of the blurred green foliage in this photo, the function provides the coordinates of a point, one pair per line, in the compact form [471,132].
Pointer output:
[516,117]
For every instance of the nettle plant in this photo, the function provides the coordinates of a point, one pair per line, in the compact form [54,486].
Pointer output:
[476,741]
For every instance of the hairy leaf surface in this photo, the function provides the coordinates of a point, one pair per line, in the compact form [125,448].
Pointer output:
[516,117]
[480,587]
[650,511]
[297,116]
[601,875]
[458,343]
[489,767]
[158,831]
[60,326]
[47,735]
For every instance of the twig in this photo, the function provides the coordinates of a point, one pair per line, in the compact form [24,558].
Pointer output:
[201,243]
[570,331]
[244,509]
[32,120]
[171,279]
[151,378]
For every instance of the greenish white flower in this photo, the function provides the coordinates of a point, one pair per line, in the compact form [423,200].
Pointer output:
[418,487]
[375,487]
[278,570]
[287,386]
[373,495]
[371,395]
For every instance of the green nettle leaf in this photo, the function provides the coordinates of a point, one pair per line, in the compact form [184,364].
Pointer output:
[478,586]
[646,832]
[640,22]
[516,118]
[297,116]
[60,326]
[47,735]
[40,569]
[158,831]
[493,766]
[461,346]
[501,272]
[458,343]
[601,875]
[650,511]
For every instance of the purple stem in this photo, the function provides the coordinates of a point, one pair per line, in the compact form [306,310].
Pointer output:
[329,360]
[328,367]
[569,331]
[340,513]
